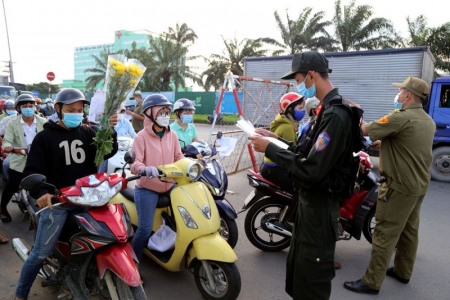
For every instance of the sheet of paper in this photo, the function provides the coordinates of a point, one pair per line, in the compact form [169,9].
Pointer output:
[225,145]
[249,129]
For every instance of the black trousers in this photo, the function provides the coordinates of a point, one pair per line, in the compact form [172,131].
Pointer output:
[12,186]
[309,265]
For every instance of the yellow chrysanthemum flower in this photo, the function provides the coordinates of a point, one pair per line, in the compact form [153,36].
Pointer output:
[133,82]
[134,70]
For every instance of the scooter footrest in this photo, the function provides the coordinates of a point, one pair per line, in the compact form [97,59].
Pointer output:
[49,283]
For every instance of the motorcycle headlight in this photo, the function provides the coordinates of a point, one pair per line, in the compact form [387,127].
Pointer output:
[96,196]
[194,171]
[186,216]
[124,145]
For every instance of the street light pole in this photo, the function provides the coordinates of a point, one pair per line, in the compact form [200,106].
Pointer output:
[11,72]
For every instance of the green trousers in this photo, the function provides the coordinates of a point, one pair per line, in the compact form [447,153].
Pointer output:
[397,225]
[309,266]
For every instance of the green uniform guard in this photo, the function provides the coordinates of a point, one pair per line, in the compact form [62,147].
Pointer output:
[405,158]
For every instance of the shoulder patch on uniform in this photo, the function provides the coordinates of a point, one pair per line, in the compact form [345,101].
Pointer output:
[322,141]
[383,120]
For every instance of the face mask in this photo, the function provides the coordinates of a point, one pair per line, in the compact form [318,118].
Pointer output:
[28,111]
[119,117]
[132,102]
[397,104]
[163,121]
[11,112]
[299,114]
[186,119]
[42,106]
[307,92]
[72,120]
[50,104]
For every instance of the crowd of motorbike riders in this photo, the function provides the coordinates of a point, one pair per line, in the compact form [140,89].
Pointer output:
[25,117]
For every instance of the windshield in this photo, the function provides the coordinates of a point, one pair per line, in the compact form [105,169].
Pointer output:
[7,92]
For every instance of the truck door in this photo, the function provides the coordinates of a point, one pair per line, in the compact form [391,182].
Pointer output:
[439,109]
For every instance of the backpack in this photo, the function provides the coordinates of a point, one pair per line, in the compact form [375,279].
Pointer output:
[345,183]
[358,143]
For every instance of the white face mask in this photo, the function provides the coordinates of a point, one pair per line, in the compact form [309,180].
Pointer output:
[119,117]
[163,121]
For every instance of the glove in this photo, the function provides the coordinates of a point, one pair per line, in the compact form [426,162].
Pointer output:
[149,171]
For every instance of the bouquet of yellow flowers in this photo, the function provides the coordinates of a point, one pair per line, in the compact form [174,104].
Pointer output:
[122,77]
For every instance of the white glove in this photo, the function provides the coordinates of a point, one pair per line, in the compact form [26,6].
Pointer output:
[149,171]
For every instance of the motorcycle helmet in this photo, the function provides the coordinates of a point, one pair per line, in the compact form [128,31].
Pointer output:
[24,98]
[69,96]
[311,103]
[155,100]
[48,100]
[9,103]
[289,100]
[183,104]
[38,100]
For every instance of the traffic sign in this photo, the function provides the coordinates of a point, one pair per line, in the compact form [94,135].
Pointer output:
[50,76]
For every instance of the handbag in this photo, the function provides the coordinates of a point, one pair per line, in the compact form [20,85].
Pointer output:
[163,239]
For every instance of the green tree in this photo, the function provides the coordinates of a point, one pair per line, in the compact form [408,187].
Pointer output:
[355,29]
[42,88]
[306,33]
[438,39]
[170,53]
[231,59]
[99,71]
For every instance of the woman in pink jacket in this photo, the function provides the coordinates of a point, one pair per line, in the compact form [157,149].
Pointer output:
[155,145]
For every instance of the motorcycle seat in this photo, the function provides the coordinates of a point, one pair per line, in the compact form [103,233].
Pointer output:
[128,193]
[259,176]
[163,200]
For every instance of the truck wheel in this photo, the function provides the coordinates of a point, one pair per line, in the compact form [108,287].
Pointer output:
[440,167]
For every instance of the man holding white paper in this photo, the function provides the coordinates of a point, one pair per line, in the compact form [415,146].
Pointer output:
[318,165]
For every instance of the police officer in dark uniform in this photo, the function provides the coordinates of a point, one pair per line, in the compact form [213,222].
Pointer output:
[405,158]
[317,166]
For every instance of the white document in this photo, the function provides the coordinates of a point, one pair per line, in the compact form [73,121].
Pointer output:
[225,145]
[249,129]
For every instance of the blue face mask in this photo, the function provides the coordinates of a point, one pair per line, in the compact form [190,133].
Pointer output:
[306,92]
[132,102]
[11,112]
[299,114]
[186,119]
[397,104]
[28,111]
[72,120]
[50,104]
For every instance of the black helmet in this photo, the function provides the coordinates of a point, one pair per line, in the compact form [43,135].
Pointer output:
[155,100]
[24,98]
[182,104]
[69,96]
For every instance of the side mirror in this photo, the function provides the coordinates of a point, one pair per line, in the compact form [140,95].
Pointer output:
[33,182]
[219,134]
[129,157]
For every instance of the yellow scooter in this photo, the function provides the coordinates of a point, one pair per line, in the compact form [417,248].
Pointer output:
[195,219]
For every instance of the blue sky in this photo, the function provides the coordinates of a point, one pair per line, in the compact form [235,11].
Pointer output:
[43,34]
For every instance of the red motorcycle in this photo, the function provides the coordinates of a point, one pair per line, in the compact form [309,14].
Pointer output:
[93,255]
[272,211]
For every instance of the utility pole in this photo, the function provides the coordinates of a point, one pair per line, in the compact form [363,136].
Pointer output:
[11,73]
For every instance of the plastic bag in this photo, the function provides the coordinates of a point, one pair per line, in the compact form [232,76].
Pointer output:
[163,239]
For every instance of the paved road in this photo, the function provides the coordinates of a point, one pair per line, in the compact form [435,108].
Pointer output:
[263,273]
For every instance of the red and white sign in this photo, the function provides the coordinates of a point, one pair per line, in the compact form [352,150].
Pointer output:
[50,76]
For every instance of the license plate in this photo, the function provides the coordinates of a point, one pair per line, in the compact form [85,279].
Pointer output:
[249,197]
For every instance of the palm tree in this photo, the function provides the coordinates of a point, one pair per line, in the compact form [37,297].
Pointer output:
[356,30]
[438,39]
[170,54]
[99,71]
[231,59]
[307,32]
